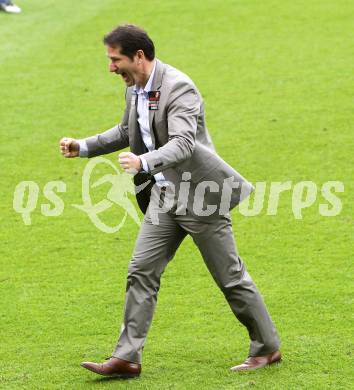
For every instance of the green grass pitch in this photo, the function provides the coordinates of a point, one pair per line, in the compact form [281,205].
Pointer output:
[277,79]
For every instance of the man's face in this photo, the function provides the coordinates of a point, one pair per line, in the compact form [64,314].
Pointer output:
[123,65]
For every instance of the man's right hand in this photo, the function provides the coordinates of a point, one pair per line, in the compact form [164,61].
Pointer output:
[69,147]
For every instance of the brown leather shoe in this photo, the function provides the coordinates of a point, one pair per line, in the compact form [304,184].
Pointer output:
[114,367]
[254,362]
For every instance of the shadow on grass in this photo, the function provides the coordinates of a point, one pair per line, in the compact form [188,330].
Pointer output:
[105,379]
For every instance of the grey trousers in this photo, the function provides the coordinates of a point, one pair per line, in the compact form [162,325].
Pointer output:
[155,247]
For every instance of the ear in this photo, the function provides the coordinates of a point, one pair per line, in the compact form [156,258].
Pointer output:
[140,55]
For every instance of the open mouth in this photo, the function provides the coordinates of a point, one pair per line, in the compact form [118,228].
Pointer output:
[125,76]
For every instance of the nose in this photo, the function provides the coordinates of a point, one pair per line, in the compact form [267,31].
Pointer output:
[112,67]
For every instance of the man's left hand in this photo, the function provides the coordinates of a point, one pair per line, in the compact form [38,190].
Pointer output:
[130,162]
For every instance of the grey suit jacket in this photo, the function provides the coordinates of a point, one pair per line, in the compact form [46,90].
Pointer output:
[182,146]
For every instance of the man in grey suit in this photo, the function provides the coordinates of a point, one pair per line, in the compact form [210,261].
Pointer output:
[184,188]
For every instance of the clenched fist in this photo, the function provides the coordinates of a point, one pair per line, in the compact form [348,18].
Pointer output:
[130,162]
[69,147]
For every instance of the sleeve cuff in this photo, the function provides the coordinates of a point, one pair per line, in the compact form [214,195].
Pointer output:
[144,164]
[83,150]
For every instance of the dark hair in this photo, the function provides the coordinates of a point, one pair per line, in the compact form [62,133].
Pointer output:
[130,39]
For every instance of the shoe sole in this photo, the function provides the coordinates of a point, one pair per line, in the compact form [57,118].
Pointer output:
[257,368]
[122,376]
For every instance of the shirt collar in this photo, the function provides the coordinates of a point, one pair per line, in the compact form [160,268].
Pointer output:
[148,85]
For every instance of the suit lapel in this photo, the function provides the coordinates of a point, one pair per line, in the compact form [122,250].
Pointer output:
[136,142]
[156,85]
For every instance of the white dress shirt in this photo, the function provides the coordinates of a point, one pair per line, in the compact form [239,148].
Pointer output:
[143,120]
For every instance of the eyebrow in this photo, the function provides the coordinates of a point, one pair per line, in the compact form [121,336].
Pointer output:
[113,57]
